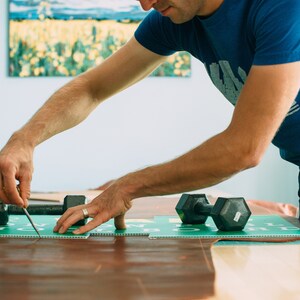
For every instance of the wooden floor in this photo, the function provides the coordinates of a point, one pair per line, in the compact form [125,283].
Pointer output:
[138,268]
[257,272]
[121,268]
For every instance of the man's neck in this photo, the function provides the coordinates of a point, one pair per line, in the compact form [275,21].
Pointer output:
[209,7]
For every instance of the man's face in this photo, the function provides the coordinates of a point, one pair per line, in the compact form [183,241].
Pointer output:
[179,11]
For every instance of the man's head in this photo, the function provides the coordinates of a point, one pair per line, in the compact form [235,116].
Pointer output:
[180,11]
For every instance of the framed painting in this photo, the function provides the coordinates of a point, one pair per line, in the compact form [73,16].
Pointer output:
[67,37]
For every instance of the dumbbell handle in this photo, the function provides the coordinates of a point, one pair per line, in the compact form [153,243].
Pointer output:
[3,214]
[43,209]
[203,209]
[37,209]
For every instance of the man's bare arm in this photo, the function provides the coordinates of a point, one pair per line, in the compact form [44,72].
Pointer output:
[71,104]
[262,106]
[66,108]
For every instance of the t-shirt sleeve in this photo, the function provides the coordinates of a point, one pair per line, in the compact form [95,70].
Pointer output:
[277,32]
[157,34]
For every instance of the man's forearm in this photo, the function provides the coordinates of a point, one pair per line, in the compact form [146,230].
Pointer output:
[210,163]
[66,108]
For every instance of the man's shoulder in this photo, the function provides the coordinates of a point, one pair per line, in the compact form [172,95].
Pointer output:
[160,35]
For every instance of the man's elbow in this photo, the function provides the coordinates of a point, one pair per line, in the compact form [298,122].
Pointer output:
[247,159]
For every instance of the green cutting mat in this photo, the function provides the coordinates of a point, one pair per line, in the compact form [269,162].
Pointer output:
[270,226]
[134,227]
[19,227]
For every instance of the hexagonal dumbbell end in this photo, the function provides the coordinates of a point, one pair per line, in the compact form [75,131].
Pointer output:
[230,214]
[75,200]
[185,208]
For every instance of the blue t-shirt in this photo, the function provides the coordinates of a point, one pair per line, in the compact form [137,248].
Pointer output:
[241,33]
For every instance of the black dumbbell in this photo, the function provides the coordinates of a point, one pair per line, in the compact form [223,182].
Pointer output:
[229,214]
[43,209]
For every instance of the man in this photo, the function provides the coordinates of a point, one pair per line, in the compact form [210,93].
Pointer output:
[251,50]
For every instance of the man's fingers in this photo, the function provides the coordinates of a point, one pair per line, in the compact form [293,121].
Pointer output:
[65,221]
[11,191]
[120,222]
[98,220]
[3,196]
[24,191]
[72,219]
[89,226]
[72,215]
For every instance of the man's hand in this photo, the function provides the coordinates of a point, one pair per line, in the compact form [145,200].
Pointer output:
[112,203]
[15,165]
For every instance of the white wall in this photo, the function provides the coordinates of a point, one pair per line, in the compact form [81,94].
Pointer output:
[154,121]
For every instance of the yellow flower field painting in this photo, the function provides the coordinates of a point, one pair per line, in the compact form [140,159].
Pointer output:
[68,37]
